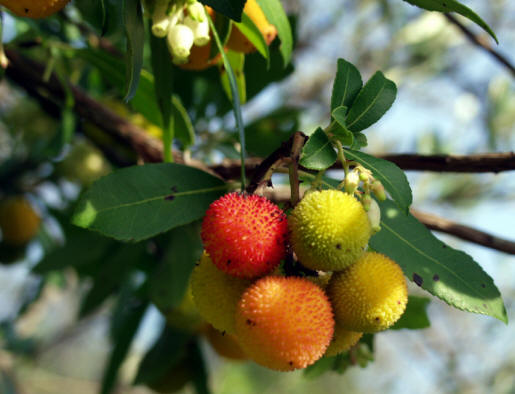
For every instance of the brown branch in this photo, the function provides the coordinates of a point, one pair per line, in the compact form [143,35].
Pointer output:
[482,43]
[464,232]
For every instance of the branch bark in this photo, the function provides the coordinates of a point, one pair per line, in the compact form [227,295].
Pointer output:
[466,233]
[483,44]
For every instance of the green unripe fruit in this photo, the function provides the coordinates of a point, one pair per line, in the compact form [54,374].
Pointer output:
[216,294]
[342,341]
[370,295]
[329,230]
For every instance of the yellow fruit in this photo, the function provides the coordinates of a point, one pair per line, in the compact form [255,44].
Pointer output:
[370,295]
[329,230]
[238,42]
[284,323]
[18,221]
[216,294]
[34,8]
[225,344]
[342,341]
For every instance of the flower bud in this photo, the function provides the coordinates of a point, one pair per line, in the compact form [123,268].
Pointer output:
[200,30]
[197,12]
[180,41]
[366,200]
[160,18]
[351,182]
[378,190]
[374,215]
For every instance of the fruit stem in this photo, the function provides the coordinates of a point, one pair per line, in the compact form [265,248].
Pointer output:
[298,143]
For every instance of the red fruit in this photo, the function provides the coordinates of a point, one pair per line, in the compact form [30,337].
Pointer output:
[245,235]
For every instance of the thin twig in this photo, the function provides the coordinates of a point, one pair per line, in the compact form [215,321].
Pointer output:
[466,233]
[481,43]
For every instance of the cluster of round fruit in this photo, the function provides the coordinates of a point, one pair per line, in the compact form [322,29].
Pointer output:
[185,25]
[289,322]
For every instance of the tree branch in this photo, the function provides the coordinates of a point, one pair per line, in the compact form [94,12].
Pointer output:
[466,233]
[481,43]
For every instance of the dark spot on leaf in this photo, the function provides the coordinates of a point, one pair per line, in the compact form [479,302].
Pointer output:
[417,279]
[338,246]
[436,278]
[483,285]
[171,197]
[444,246]
[174,189]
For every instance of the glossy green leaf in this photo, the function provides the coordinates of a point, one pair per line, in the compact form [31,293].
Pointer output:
[139,202]
[251,31]
[169,281]
[347,85]
[275,14]
[135,35]
[318,153]
[453,6]
[230,8]
[360,141]
[415,317]
[392,177]
[163,84]
[447,273]
[371,103]
[200,373]
[339,130]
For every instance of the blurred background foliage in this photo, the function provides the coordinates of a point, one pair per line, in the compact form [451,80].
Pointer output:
[56,322]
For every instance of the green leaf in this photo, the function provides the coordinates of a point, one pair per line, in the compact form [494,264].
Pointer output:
[237,61]
[376,97]
[347,85]
[230,8]
[135,34]
[453,6]
[184,130]
[104,17]
[360,141]
[169,281]
[323,365]
[318,153]
[129,319]
[138,202]
[392,177]
[169,349]
[275,14]
[163,84]
[415,316]
[251,31]
[340,131]
[449,274]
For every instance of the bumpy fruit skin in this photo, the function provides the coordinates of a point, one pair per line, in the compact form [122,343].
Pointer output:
[342,341]
[18,221]
[370,295]
[216,294]
[329,230]
[245,235]
[238,42]
[34,8]
[225,344]
[284,323]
